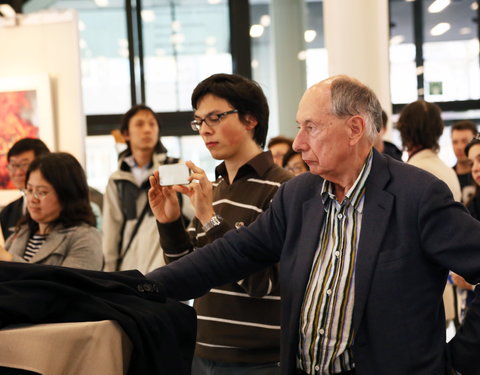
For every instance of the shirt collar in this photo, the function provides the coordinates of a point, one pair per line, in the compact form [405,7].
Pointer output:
[355,193]
[260,164]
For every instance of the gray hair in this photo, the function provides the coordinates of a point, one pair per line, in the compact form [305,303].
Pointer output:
[350,97]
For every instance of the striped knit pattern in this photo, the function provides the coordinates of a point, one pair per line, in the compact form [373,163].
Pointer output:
[33,245]
[238,322]
[326,325]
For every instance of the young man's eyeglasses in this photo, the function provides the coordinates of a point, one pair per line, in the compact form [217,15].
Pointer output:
[211,119]
[13,167]
[37,194]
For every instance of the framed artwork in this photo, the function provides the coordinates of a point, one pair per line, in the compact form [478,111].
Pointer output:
[25,111]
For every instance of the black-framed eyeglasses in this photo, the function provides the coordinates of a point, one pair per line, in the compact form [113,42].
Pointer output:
[211,119]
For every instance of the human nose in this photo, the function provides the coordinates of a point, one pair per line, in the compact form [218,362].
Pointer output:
[204,128]
[299,144]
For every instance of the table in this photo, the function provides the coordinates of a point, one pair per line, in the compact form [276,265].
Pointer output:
[84,348]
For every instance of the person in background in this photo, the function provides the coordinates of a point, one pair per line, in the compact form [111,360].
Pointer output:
[279,146]
[463,132]
[421,125]
[238,322]
[19,157]
[384,146]
[128,225]
[293,162]
[465,290]
[58,228]
[364,243]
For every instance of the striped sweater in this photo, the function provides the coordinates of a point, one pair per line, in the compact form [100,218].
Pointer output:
[237,322]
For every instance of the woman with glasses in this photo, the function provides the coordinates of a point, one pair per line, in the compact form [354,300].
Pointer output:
[58,228]
[293,162]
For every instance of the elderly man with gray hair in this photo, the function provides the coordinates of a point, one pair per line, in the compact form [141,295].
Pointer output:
[364,243]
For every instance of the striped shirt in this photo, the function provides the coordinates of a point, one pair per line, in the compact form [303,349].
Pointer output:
[326,330]
[33,245]
[239,321]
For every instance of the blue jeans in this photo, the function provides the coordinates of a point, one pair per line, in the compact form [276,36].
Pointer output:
[202,366]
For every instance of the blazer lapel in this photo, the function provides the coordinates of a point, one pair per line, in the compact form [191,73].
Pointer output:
[53,242]
[377,209]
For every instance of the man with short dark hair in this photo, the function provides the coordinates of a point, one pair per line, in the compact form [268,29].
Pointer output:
[128,223]
[19,157]
[364,243]
[238,322]
[463,132]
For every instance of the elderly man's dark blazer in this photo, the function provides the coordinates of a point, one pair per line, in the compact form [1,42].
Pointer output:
[412,233]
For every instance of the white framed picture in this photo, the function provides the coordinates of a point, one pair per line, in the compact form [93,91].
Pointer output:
[25,111]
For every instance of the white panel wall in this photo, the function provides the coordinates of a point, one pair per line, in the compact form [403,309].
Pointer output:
[48,42]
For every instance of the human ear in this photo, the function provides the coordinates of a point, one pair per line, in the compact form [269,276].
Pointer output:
[357,128]
[250,122]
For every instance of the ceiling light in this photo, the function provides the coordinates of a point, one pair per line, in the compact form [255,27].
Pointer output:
[254,64]
[265,20]
[214,2]
[101,3]
[438,5]
[176,26]
[465,30]
[148,15]
[440,29]
[474,5]
[210,40]
[256,31]
[310,35]
[302,55]
[397,39]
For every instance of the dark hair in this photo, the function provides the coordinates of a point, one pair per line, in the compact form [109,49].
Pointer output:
[384,119]
[28,144]
[420,125]
[280,139]
[475,141]
[125,121]
[351,97]
[67,177]
[465,125]
[290,154]
[243,94]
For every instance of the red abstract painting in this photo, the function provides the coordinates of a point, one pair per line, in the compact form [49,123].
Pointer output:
[17,110]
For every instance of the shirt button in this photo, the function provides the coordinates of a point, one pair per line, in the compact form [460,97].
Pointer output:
[329,291]
[337,253]
[321,331]
[317,368]
[339,216]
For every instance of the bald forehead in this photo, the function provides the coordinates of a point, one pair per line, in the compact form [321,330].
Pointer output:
[316,99]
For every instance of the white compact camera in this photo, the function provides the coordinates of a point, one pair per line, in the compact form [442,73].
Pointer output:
[173,174]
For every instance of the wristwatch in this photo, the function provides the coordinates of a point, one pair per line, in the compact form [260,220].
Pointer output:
[213,222]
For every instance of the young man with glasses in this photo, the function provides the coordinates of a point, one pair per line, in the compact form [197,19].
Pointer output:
[238,323]
[19,157]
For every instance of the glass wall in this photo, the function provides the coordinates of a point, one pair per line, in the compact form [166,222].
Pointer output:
[451,50]
[184,42]
[104,54]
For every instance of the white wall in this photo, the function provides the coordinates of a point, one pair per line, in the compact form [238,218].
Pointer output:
[48,42]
